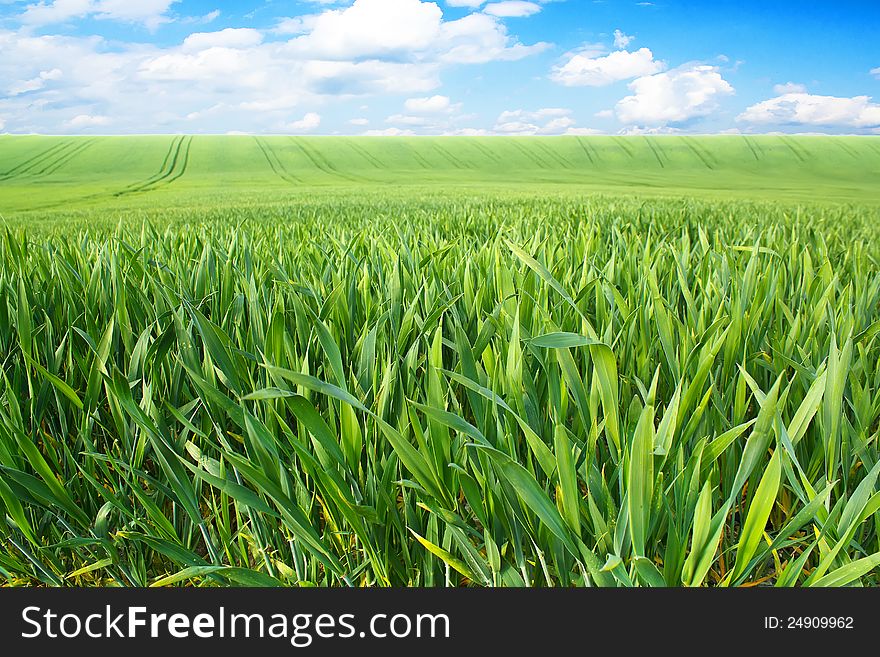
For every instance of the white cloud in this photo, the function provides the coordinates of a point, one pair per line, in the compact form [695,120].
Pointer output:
[584,70]
[38,82]
[585,132]
[310,122]
[403,119]
[359,121]
[460,132]
[407,30]
[789,88]
[150,13]
[809,109]
[876,72]
[389,132]
[512,9]
[431,105]
[655,130]
[674,96]
[547,121]
[88,121]
[622,40]
[238,78]
[296,25]
[229,38]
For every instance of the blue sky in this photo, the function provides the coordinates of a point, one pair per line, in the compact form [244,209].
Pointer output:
[510,67]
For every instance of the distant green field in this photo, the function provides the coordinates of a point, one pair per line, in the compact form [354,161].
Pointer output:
[66,173]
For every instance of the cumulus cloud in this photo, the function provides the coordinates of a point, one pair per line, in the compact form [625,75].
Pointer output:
[587,70]
[512,9]
[236,77]
[431,105]
[150,13]
[547,121]
[789,88]
[389,132]
[229,38]
[812,110]
[309,123]
[407,29]
[465,132]
[674,96]
[88,121]
[622,40]
[35,83]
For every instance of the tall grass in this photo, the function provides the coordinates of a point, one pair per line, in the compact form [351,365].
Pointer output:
[537,393]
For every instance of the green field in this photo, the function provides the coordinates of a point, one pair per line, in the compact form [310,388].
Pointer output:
[440,362]
[60,174]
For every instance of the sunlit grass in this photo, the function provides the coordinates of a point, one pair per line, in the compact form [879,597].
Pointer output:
[472,392]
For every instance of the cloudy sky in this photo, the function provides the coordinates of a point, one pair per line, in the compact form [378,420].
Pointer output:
[446,67]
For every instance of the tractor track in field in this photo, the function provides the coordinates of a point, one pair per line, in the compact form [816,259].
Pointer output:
[563,161]
[790,145]
[418,157]
[704,157]
[320,162]
[486,151]
[529,154]
[655,152]
[169,155]
[753,147]
[449,156]
[364,153]
[275,163]
[63,159]
[586,149]
[846,149]
[620,141]
[35,160]
[48,161]
[178,153]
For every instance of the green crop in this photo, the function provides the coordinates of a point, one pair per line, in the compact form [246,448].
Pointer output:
[479,391]
[66,174]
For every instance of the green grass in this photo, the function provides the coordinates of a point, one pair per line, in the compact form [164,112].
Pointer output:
[408,385]
[61,174]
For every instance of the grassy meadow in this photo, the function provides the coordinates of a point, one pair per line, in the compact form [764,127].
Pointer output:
[440,362]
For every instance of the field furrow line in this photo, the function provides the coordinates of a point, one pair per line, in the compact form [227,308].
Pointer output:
[704,157]
[164,175]
[655,152]
[554,155]
[173,148]
[448,156]
[586,149]
[486,151]
[418,157]
[797,153]
[754,148]
[846,149]
[66,157]
[364,153]
[531,155]
[324,165]
[38,160]
[620,141]
[275,163]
